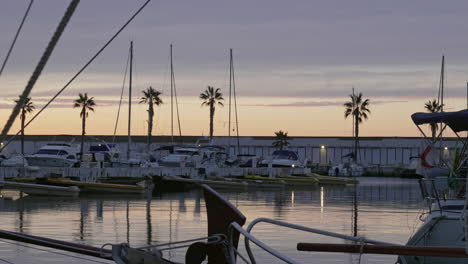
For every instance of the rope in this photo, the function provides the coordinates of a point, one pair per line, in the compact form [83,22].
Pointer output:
[121,96]
[53,252]
[75,76]
[6,261]
[16,37]
[40,66]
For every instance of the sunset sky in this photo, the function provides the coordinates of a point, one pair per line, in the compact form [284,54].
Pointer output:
[295,62]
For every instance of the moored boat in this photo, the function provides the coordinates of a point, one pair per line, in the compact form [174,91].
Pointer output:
[444,189]
[41,189]
[140,188]
[282,159]
[181,157]
[54,155]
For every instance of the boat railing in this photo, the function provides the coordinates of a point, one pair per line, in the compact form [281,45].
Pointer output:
[248,237]
[442,188]
[214,239]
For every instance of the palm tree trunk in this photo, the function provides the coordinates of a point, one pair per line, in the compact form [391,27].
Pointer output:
[212,110]
[356,139]
[23,115]
[433,129]
[150,123]
[83,129]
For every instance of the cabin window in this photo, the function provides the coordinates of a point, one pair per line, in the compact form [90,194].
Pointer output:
[48,151]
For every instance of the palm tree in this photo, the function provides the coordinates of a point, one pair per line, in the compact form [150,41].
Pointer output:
[281,140]
[433,107]
[211,97]
[150,97]
[85,103]
[27,108]
[358,108]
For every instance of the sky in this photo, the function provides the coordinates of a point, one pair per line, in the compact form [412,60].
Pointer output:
[296,63]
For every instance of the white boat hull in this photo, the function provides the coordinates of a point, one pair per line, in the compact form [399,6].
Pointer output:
[50,162]
[440,229]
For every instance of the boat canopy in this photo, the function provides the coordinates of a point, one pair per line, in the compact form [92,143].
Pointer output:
[285,154]
[457,121]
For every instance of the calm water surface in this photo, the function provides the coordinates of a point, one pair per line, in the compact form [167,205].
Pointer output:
[385,209]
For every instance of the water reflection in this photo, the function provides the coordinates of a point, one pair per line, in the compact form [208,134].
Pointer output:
[21,215]
[182,207]
[197,208]
[149,228]
[84,207]
[280,203]
[378,208]
[355,211]
[99,210]
[127,217]
[322,203]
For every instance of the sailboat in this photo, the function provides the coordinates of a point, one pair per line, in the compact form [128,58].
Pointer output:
[237,158]
[443,224]
[431,160]
[103,154]
[444,183]
[179,156]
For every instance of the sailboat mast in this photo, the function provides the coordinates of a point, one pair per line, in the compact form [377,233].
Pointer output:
[230,93]
[172,98]
[442,84]
[352,99]
[130,99]
[441,101]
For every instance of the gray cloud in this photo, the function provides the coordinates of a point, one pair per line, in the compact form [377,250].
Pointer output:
[317,104]
[306,49]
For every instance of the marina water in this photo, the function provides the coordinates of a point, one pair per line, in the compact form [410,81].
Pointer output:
[385,209]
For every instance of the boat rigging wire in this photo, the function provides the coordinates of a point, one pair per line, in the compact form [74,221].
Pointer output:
[40,66]
[177,108]
[16,37]
[121,97]
[175,97]
[6,261]
[50,251]
[69,82]
[235,104]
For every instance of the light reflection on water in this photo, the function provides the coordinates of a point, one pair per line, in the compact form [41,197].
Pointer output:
[379,208]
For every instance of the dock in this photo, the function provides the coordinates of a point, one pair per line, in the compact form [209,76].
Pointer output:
[41,189]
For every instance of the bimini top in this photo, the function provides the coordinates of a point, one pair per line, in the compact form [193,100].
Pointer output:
[285,154]
[457,121]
